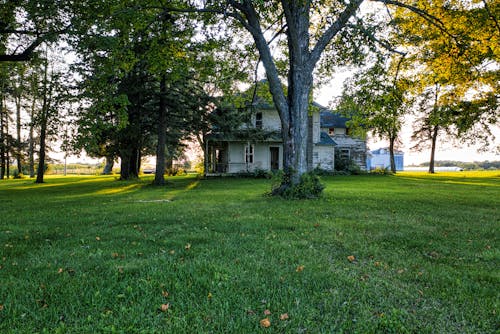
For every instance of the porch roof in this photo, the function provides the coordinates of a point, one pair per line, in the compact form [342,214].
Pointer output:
[326,140]
[252,135]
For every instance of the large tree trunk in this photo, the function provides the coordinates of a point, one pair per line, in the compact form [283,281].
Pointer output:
[130,163]
[31,148]
[435,131]
[125,164]
[391,153]
[18,131]
[108,167]
[44,119]
[3,140]
[162,135]
[41,152]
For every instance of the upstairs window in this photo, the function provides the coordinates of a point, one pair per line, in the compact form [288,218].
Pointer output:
[258,120]
[331,131]
[249,154]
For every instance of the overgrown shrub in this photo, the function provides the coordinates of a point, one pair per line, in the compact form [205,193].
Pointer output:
[346,165]
[381,171]
[259,173]
[18,175]
[199,167]
[309,186]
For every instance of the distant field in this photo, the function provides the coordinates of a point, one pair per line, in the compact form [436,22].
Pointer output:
[411,253]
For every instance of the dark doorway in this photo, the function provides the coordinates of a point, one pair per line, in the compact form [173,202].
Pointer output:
[275,157]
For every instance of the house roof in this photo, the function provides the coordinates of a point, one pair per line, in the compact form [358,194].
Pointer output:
[326,140]
[385,150]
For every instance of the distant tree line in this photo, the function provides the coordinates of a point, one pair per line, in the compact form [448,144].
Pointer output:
[476,165]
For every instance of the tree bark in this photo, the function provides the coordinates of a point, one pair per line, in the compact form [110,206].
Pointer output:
[47,95]
[41,152]
[125,164]
[108,167]
[435,132]
[3,140]
[392,139]
[31,148]
[162,134]
[18,132]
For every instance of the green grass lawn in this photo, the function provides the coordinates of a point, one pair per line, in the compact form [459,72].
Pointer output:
[410,253]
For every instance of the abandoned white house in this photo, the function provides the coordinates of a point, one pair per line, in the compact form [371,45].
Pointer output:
[257,145]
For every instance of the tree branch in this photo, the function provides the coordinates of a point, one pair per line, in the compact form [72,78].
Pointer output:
[333,30]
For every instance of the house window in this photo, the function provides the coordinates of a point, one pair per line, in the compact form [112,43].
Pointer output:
[331,131]
[345,154]
[258,120]
[249,149]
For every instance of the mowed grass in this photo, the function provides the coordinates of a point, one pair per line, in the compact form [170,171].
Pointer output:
[96,255]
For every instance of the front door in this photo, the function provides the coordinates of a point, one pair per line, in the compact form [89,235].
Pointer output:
[275,157]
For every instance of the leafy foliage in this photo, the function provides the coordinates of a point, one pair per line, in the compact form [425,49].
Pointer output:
[309,187]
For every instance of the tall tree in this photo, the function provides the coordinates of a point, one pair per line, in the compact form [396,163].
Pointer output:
[375,100]
[454,45]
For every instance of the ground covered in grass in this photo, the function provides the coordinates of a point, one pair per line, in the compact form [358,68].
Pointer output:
[377,254]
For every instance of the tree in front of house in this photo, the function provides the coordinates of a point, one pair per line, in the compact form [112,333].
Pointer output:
[294,39]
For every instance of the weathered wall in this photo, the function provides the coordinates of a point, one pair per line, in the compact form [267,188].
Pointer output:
[324,157]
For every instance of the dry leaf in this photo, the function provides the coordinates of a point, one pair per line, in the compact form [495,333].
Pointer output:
[114,255]
[209,295]
[171,252]
[351,258]
[164,307]
[299,269]
[60,270]
[267,312]
[164,293]
[265,323]
[188,246]
[1,307]
[284,316]
[98,238]
[377,264]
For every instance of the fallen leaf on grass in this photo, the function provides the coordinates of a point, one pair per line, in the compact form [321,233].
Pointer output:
[265,323]
[98,238]
[209,295]
[299,269]
[267,312]
[171,252]
[60,270]
[114,255]
[164,293]
[1,307]
[188,246]
[164,307]
[284,316]
[377,264]
[351,258]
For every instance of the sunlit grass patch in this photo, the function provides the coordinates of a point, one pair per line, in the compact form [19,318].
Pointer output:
[376,254]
